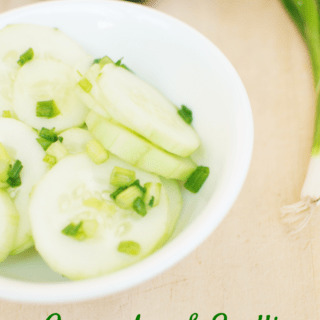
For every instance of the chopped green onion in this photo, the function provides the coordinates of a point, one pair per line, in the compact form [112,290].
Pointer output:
[137,183]
[139,206]
[85,85]
[197,179]
[122,177]
[57,150]
[26,57]
[102,61]
[44,143]
[186,114]
[151,202]
[50,160]
[117,192]
[129,247]
[126,198]
[97,153]
[47,109]
[122,65]
[152,195]
[74,231]
[14,179]
[48,134]
[6,114]
[47,137]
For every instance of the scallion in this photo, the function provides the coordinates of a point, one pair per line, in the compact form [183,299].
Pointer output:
[306,15]
[26,57]
[197,179]
[47,109]
[102,61]
[186,114]
[139,206]
[47,137]
[14,179]
[122,177]
[122,65]
[85,85]
[129,247]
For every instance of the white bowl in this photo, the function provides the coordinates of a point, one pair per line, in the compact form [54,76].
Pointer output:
[189,70]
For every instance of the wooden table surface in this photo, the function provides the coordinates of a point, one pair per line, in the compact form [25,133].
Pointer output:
[249,265]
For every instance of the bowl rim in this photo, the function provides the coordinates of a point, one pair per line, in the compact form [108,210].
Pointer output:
[176,250]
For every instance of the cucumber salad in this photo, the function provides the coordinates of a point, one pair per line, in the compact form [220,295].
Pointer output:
[92,158]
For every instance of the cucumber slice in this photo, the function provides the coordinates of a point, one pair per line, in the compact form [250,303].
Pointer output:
[62,199]
[75,139]
[20,142]
[140,107]
[43,80]
[46,42]
[9,219]
[137,151]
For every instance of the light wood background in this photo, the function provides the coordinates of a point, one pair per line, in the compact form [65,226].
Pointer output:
[249,265]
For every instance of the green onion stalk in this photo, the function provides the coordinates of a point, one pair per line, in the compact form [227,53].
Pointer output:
[306,15]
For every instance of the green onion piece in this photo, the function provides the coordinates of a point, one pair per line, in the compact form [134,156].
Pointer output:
[97,153]
[139,206]
[26,57]
[44,143]
[74,231]
[151,202]
[122,177]
[85,85]
[122,65]
[129,247]
[50,160]
[57,150]
[15,170]
[47,109]
[197,179]
[14,179]
[6,114]
[137,183]
[126,198]
[49,135]
[117,192]
[102,61]
[186,114]
[152,195]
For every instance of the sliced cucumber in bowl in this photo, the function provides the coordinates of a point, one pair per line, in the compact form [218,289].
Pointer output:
[117,237]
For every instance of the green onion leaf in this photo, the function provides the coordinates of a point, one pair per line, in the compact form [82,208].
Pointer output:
[197,179]
[151,202]
[122,65]
[85,85]
[50,160]
[129,247]
[26,57]
[102,61]
[48,134]
[47,109]
[97,153]
[139,206]
[14,179]
[44,143]
[121,177]
[186,114]
[74,231]
[6,114]
[117,192]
